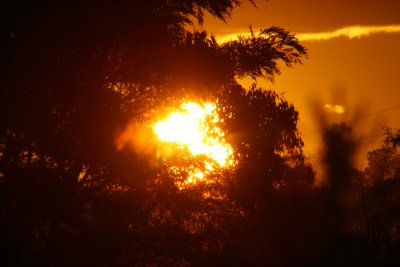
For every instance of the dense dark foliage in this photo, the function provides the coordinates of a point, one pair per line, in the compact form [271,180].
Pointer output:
[75,74]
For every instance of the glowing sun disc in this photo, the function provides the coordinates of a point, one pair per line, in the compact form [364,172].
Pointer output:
[193,127]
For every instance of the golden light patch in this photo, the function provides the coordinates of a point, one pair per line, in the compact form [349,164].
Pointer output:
[338,109]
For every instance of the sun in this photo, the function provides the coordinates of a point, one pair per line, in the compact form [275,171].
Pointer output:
[193,128]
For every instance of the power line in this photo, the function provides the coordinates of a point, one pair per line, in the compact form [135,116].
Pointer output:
[378,112]
[360,118]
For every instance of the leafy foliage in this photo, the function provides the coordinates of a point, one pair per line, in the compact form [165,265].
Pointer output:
[258,55]
[74,74]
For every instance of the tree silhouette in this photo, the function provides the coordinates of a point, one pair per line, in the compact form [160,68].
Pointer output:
[74,74]
[382,198]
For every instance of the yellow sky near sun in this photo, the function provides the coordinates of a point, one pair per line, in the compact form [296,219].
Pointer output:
[353,60]
[359,61]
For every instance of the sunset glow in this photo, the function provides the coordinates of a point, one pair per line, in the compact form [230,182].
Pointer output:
[193,128]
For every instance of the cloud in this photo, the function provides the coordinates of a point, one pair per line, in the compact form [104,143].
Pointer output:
[350,32]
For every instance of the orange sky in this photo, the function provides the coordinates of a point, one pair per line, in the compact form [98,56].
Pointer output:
[361,73]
